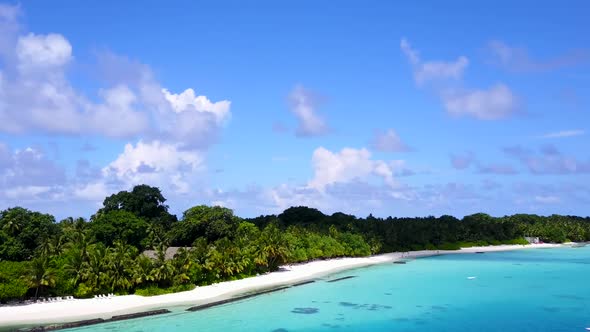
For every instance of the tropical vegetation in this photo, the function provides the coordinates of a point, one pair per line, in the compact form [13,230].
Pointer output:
[106,254]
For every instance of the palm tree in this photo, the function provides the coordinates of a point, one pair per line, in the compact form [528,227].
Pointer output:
[163,270]
[13,220]
[45,248]
[74,265]
[40,273]
[156,236]
[272,249]
[92,271]
[182,264]
[142,270]
[119,266]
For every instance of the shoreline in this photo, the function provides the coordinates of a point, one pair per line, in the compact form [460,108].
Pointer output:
[43,314]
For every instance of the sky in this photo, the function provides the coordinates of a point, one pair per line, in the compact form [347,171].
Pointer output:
[382,107]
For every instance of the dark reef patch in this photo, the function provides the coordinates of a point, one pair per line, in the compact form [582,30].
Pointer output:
[340,279]
[305,311]
[348,304]
[569,297]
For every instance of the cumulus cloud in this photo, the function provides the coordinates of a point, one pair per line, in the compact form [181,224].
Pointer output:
[28,174]
[303,105]
[37,96]
[345,166]
[494,103]
[155,163]
[388,141]
[189,101]
[564,133]
[426,71]
[516,58]
[42,51]
[167,166]
[117,116]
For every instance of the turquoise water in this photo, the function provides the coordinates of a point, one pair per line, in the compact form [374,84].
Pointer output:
[527,290]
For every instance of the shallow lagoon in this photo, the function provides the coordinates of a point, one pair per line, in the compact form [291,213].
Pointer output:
[525,290]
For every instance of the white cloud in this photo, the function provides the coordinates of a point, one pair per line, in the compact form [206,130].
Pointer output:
[28,175]
[425,71]
[493,103]
[564,133]
[346,166]
[28,167]
[389,141]
[96,191]
[188,101]
[37,96]
[43,51]
[117,115]
[25,192]
[497,102]
[155,163]
[304,106]
[412,54]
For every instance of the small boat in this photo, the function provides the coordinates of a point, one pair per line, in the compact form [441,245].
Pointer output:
[480,252]
[399,262]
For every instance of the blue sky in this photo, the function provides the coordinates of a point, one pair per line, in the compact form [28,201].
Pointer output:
[365,107]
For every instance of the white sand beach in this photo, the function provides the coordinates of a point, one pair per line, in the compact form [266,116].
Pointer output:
[81,309]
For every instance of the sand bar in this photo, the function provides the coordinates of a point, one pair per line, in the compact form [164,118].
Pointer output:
[42,314]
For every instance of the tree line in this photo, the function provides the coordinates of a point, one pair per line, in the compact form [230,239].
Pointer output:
[42,257]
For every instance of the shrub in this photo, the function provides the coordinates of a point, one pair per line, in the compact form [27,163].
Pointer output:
[12,285]
[155,290]
[449,246]
[517,241]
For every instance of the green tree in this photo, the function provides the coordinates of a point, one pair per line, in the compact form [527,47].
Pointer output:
[12,284]
[212,223]
[40,274]
[24,230]
[118,225]
[119,267]
[144,202]
[272,249]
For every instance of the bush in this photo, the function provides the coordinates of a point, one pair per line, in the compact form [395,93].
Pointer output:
[517,241]
[449,246]
[83,291]
[155,290]
[430,246]
[12,285]
[480,243]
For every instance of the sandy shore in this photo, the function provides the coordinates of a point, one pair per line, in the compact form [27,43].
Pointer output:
[81,309]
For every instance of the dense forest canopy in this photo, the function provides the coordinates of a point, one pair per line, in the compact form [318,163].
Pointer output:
[42,257]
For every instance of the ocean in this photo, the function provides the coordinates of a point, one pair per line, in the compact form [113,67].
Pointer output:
[524,290]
